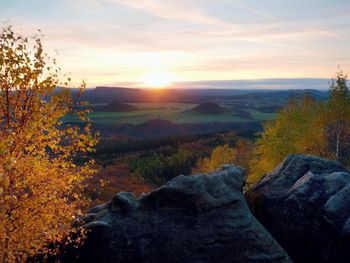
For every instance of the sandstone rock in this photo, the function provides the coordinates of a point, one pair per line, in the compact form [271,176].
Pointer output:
[305,204]
[200,218]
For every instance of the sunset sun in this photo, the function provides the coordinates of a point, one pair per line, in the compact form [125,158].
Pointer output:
[158,80]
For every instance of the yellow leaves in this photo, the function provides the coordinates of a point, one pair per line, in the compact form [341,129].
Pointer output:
[221,155]
[3,149]
[69,130]
[102,183]
[40,185]
[6,182]
[9,164]
[30,148]
[301,127]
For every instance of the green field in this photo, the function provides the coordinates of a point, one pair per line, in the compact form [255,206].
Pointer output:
[257,115]
[175,112]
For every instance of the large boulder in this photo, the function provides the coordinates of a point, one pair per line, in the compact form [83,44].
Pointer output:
[305,204]
[200,218]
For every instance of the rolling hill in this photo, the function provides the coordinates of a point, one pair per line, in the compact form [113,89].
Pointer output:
[209,108]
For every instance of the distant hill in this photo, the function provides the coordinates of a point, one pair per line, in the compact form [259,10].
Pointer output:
[282,94]
[209,108]
[129,95]
[116,106]
[106,94]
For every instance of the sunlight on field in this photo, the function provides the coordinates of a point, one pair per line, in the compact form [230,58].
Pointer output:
[175,112]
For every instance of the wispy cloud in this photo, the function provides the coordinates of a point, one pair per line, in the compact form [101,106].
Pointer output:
[282,22]
[121,40]
[178,10]
[250,9]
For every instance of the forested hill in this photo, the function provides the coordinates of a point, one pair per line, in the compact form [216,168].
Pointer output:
[109,94]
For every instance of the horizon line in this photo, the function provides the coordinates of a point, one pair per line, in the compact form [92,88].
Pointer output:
[288,83]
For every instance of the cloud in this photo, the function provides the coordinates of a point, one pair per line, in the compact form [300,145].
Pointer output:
[178,10]
[250,9]
[110,40]
[280,21]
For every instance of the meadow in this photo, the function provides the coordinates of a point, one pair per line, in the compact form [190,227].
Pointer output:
[178,113]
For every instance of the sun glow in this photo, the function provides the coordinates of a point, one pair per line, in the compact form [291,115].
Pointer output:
[158,80]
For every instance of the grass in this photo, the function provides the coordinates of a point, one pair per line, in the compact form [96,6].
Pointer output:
[262,116]
[164,106]
[175,112]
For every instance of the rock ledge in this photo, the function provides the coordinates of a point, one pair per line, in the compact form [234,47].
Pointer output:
[305,204]
[200,218]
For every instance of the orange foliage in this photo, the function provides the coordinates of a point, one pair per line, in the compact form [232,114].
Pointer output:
[115,178]
[39,193]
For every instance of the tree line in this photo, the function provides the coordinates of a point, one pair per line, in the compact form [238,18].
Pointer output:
[306,127]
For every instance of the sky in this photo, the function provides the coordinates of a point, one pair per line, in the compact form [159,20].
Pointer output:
[115,42]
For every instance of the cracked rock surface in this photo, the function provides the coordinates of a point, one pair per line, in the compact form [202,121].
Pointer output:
[305,204]
[200,218]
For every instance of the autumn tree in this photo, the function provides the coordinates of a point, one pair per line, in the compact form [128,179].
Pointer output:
[40,183]
[222,154]
[337,117]
[243,152]
[306,127]
[238,155]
